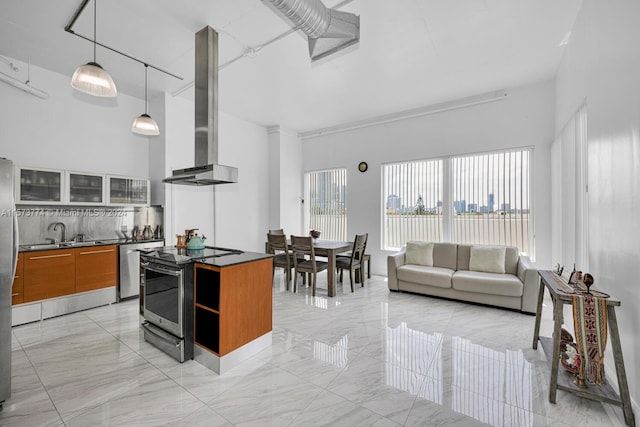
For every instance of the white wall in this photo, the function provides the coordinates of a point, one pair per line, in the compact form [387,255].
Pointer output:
[602,64]
[242,209]
[523,118]
[229,215]
[157,149]
[291,180]
[70,130]
[285,181]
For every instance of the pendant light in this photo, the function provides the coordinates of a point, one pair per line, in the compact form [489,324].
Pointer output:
[91,78]
[144,124]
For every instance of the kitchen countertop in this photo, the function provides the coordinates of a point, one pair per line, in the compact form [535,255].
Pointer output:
[234,259]
[91,243]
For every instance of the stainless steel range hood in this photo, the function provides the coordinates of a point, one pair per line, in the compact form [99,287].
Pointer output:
[206,171]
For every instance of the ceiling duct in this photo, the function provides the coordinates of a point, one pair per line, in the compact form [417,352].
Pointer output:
[206,171]
[328,30]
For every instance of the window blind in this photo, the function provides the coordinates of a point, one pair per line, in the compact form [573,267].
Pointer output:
[471,199]
[412,194]
[569,207]
[490,195]
[326,193]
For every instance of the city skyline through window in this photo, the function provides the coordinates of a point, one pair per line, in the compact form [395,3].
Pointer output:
[473,199]
[326,196]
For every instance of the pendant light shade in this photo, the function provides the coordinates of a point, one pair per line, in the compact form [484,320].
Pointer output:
[91,78]
[144,124]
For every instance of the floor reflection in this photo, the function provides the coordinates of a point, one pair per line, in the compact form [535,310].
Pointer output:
[321,302]
[492,386]
[333,354]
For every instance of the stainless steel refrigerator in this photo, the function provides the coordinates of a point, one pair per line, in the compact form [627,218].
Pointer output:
[8,260]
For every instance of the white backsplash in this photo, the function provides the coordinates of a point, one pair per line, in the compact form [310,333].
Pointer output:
[34,223]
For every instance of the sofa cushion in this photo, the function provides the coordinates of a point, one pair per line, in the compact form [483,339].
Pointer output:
[512,257]
[445,255]
[487,283]
[419,253]
[489,259]
[430,276]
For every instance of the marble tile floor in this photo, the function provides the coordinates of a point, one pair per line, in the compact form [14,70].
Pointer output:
[368,358]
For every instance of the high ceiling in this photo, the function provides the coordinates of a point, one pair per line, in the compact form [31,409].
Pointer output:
[412,53]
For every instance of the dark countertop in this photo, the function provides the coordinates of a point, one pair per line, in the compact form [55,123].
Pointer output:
[91,243]
[234,259]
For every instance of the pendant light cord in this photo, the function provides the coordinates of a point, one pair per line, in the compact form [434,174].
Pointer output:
[146,66]
[95,14]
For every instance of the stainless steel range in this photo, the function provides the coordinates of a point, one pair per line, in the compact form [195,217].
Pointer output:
[167,282]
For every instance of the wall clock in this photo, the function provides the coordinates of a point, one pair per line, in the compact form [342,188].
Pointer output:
[362,167]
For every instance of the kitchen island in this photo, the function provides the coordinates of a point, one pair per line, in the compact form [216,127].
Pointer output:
[213,304]
[233,309]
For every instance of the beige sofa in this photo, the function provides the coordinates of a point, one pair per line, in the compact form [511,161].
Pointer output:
[493,275]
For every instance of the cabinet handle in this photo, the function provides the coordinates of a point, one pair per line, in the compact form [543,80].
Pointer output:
[97,252]
[49,256]
[15,295]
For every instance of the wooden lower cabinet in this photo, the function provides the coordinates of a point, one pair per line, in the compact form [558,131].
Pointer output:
[49,274]
[96,267]
[17,290]
[60,272]
[233,305]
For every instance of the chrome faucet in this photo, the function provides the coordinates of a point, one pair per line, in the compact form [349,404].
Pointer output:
[55,226]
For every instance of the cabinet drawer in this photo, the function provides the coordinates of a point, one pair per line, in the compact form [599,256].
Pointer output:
[48,274]
[96,268]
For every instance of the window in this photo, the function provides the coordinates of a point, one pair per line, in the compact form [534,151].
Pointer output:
[471,199]
[326,196]
[491,199]
[413,202]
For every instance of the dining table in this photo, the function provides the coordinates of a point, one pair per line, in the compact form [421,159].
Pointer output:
[329,249]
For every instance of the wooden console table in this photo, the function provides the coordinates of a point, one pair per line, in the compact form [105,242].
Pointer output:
[551,346]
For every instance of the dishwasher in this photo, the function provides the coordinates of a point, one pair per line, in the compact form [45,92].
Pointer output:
[129,286]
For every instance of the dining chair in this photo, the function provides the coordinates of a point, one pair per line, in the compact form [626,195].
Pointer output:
[278,231]
[282,256]
[304,260]
[356,262]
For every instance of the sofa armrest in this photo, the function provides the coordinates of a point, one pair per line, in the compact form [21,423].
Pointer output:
[528,275]
[393,262]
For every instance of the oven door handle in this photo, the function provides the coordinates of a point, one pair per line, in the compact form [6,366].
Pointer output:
[175,273]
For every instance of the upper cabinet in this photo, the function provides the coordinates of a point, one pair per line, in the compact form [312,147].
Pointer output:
[40,186]
[86,188]
[128,191]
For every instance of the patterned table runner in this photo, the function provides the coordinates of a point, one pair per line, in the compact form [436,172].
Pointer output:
[590,326]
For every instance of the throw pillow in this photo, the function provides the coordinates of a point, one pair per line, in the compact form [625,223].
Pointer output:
[489,259]
[420,253]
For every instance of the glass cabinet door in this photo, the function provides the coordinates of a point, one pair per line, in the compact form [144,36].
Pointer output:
[128,191]
[85,189]
[39,186]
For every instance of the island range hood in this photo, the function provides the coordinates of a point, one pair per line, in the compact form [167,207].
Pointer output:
[206,171]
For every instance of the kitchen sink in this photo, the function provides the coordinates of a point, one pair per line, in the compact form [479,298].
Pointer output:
[46,246]
[78,244]
[41,246]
